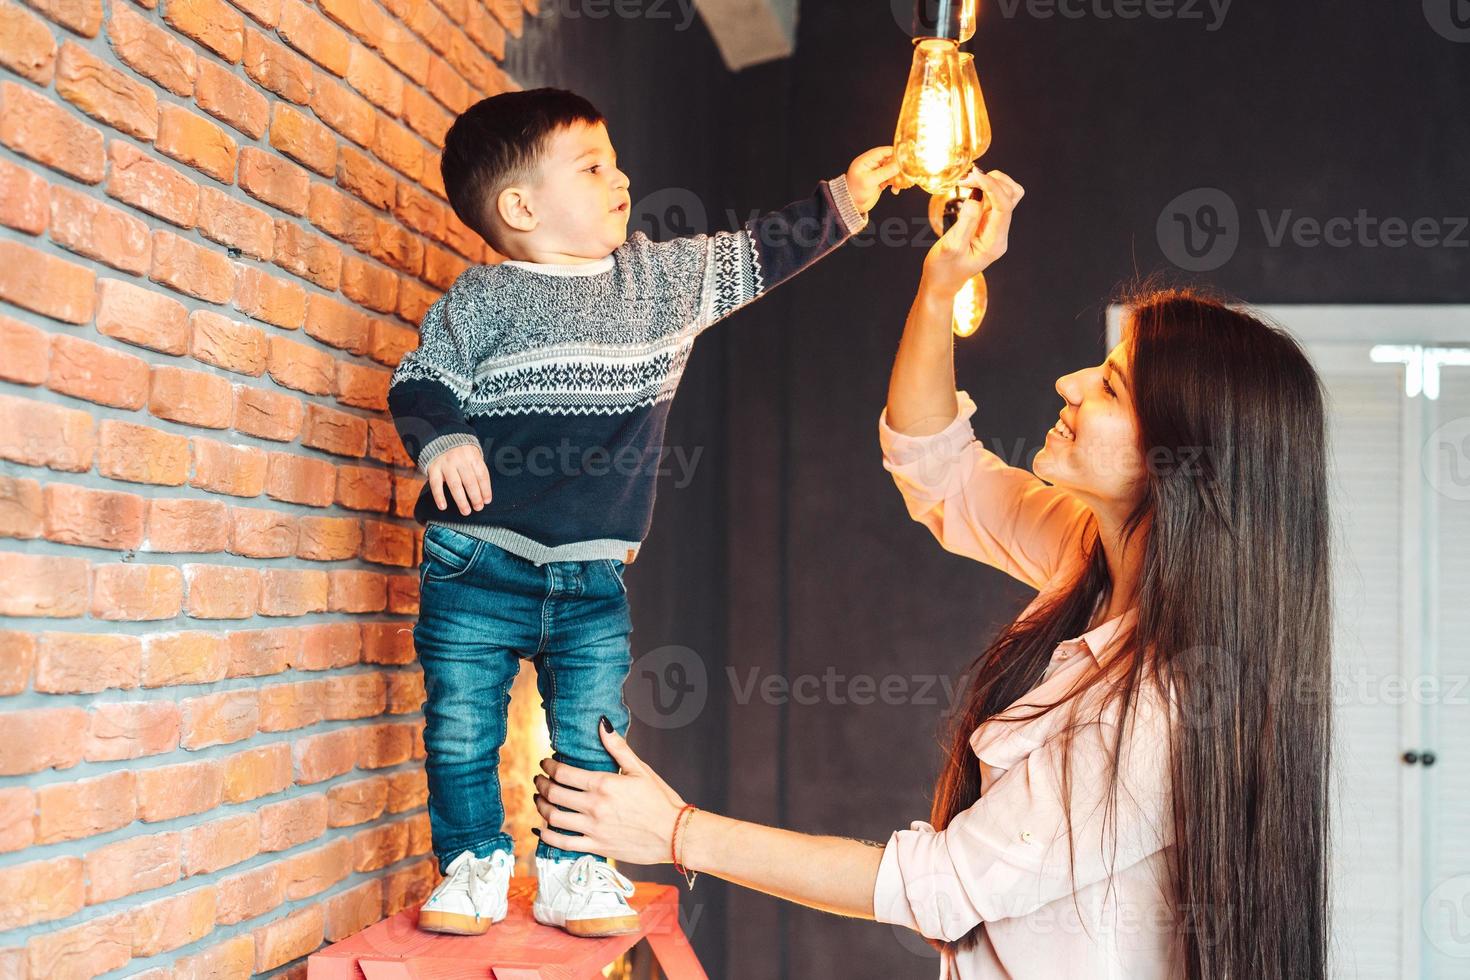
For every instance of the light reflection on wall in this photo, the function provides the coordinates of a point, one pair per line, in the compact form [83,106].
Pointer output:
[527,742]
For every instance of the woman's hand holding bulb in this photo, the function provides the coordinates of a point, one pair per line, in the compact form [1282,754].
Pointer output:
[977,239]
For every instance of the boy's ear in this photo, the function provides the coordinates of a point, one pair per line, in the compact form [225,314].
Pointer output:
[513,207]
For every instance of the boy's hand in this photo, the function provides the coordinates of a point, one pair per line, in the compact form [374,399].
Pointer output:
[462,469]
[869,174]
[978,238]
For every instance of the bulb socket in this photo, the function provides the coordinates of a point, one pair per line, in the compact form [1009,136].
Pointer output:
[937,19]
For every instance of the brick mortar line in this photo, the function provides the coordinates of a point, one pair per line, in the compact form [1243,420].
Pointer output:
[100,48]
[41,394]
[126,903]
[31,699]
[192,235]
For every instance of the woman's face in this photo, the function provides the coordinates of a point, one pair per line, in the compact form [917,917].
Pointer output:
[1094,449]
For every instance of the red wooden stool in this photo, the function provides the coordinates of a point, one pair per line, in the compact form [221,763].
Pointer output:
[515,948]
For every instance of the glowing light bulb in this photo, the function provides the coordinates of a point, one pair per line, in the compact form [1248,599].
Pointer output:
[933,139]
[973,299]
[970,304]
[976,116]
[968,12]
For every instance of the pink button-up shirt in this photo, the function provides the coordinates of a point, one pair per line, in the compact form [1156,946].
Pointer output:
[1004,862]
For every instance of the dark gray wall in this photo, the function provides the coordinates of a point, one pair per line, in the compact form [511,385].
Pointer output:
[790,552]
[1322,108]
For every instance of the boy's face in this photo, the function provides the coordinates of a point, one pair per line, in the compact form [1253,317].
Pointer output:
[581,200]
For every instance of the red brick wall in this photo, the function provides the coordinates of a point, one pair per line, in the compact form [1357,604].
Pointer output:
[222,223]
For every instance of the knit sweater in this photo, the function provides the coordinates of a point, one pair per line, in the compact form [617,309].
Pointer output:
[563,374]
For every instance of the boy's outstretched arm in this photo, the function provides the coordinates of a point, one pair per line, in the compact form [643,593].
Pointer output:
[730,270]
[426,396]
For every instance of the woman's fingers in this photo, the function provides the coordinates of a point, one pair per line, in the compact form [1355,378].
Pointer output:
[570,775]
[996,191]
[621,751]
[999,185]
[995,230]
[960,234]
[564,819]
[1016,189]
[572,799]
[566,843]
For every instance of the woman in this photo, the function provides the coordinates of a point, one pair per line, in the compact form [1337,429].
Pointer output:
[1136,784]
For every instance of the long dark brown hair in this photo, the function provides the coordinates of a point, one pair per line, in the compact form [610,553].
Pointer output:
[1233,612]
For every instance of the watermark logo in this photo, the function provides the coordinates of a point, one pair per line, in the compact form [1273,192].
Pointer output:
[1446,459]
[1199,231]
[671,212]
[936,902]
[1449,18]
[667,687]
[1446,917]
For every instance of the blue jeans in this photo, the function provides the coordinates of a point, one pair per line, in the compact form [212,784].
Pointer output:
[481,610]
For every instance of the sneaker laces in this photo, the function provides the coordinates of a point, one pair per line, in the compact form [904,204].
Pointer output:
[590,875]
[472,879]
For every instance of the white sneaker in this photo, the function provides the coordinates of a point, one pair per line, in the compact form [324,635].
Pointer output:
[586,897]
[472,896]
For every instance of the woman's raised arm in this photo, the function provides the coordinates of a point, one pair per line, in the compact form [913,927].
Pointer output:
[921,389]
[970,499]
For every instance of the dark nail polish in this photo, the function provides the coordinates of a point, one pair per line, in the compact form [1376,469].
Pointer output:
[606,725]
[536,831]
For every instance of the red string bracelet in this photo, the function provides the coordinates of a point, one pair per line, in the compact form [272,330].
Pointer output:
[687,810]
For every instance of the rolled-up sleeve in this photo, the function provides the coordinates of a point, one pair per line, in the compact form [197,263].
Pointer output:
[978,506]
[1008,854]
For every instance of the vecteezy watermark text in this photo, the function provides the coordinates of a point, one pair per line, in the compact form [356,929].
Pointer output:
[834,687]
[669,687]
[1202,229]
[680,12]
[567,459]
[1211,13]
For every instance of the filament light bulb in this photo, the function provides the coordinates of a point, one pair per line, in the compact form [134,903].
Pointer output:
[933,140]
[973,299]
[977,118]
[970,304]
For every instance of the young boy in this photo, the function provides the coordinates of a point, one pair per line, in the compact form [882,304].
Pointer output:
[557,366]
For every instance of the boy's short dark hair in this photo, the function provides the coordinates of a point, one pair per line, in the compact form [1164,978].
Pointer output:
[500,140]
